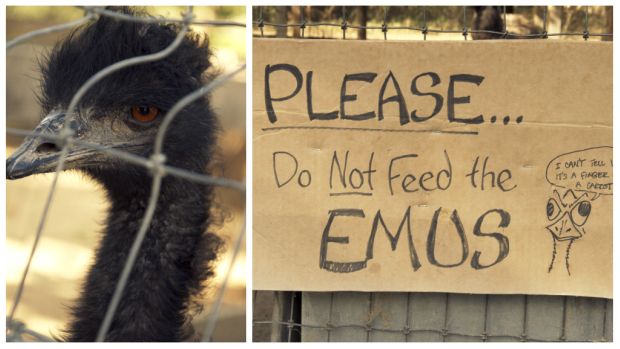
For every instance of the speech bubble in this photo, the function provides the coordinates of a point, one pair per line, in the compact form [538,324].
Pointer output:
[589,170]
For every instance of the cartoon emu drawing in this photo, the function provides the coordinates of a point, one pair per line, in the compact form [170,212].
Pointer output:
[568,214]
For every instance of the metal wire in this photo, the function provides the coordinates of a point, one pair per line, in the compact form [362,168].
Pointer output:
[260,22]
[18,332]
[444,331]
[384,26]
[156,163]
[504,23]
[137,160]
[125,17]
[302,24]
[586,33]
[424,29]
[343,26]
[23,38]
[405,331]
[210,326]
[465,22]
[544,32]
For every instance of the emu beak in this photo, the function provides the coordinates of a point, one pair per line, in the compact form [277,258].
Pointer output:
[39,154]
[564,229]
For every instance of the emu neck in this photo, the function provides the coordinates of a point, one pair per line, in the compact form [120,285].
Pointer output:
[561,255]
[168,271]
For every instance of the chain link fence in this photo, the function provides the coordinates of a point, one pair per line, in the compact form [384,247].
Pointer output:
[413,316]
[17,330]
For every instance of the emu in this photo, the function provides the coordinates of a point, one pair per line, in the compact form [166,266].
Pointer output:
[123,112]
[487,18]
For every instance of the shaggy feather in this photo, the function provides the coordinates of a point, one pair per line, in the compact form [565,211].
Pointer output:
[177,255]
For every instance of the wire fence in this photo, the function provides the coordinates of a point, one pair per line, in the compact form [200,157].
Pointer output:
[424,28]
[156,163]
[311,316]
[289,325]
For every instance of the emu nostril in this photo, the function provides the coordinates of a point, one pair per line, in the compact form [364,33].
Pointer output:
[46,148]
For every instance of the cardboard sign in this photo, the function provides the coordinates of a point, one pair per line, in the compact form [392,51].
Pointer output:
[474,167]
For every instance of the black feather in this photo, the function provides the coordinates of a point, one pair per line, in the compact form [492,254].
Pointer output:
[177,254]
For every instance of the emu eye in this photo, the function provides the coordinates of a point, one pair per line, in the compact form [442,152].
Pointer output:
[144,113]
[581,212]
[553,209]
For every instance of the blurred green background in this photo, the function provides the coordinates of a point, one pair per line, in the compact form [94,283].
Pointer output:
[78,210]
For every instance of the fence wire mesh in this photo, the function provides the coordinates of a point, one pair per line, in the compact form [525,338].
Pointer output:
[284,316]
[320,320]
[260,23]
[156,164]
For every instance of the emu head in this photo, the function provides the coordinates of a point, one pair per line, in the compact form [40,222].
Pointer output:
[568,214]
[122,111]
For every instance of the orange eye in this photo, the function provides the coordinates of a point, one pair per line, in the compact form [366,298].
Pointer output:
[144,113]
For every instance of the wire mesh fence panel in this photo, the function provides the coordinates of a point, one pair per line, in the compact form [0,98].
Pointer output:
[505,316]
[388,309]
[156,164]
[430,310]
[432,317]
[297,24]
[443,317]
